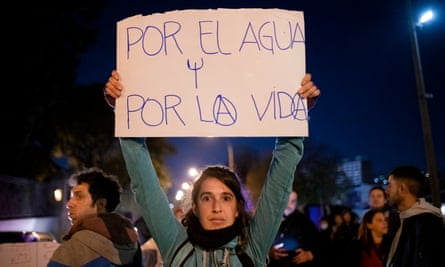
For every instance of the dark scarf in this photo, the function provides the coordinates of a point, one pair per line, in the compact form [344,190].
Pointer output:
[212,239]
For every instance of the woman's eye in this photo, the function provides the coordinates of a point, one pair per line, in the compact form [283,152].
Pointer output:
[227,198]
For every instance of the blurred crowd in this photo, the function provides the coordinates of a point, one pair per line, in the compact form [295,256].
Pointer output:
[340,238]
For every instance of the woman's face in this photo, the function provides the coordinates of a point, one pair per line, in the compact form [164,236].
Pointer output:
[338,219]
[216,207]
[379,224]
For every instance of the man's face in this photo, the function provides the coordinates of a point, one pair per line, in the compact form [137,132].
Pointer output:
[80,203]
[376,199]
[291,204]
[393,190]
[217,205]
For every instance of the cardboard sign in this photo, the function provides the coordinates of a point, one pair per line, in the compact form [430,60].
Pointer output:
[221,72]
[34,254]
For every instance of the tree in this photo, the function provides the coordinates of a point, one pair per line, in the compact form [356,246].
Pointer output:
[53,125]
[315,177]
[254,168]
[43,49]
[85,137]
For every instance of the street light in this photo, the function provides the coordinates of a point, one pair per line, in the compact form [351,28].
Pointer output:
[427,16]
[58,194]
[423,104]
[193,172]
[230,156]
[186,187]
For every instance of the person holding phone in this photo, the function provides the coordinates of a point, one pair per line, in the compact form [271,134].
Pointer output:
[297,242]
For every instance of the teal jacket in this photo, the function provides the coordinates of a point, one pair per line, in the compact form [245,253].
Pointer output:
[170,234]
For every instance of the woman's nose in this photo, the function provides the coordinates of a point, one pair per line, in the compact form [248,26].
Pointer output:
[216,207]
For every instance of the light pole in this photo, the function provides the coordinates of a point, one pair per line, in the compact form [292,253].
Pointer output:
[230,156]
[423,105]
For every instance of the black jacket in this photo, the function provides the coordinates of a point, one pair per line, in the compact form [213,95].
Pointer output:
[421,243]
[297,231]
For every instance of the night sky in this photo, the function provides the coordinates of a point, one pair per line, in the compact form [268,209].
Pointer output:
[359,54]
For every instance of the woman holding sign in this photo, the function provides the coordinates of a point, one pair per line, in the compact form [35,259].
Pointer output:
[218,229]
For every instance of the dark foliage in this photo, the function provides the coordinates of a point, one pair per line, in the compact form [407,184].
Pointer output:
[44,42]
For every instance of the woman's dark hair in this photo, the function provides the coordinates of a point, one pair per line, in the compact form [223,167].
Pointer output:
[101,185]
[364,234]
[231,180]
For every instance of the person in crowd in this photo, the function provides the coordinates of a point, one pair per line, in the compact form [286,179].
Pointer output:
[373,239]
[324,224]
[344,240]
[297,242]
[378,200]
[151,255]
[218,230]
[350,223]
[98,236]
[326,244]
[420,238]
[337,221]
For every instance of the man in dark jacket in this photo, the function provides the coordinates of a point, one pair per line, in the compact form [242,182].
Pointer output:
[420,239]
[298,240]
